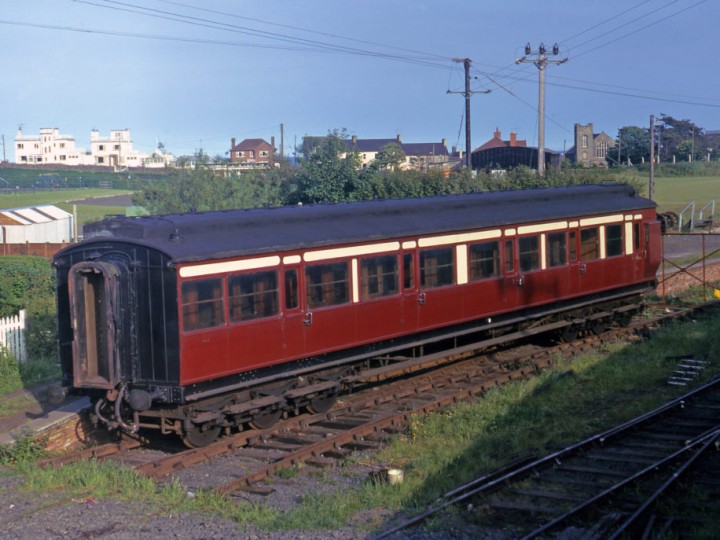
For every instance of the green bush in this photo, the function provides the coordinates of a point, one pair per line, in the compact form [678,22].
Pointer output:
[24,281]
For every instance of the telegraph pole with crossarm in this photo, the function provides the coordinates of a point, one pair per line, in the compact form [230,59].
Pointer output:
[541,61]
[467,93]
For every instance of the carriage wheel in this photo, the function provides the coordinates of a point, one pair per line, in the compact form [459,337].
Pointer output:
[265,418]
[599,327]
[197,437]
[568,334]
[322,403]
[624,319]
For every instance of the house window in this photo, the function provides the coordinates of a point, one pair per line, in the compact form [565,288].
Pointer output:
[62,158]
[584,141]
[240,154]
[327,284]
[437,267]
[62,145]
[20,146]
[252,296]
[101,147]
[529,253]
[264,153]
[202,304]
[116,147]
[484,260]
[378,277]
[101,160]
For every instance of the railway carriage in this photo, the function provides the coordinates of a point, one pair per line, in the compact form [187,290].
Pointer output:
[195,323]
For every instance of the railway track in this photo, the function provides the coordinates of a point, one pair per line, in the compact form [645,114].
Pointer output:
[363,420]
[613,485]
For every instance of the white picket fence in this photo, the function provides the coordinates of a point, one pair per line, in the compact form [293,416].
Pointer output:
[12,335]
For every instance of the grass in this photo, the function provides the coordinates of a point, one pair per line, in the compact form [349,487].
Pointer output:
[674,193]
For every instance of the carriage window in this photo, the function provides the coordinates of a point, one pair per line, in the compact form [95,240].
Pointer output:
[378,277]
[408,271]
[589,244]
[437,267]
[636,236]
[557,251]
[291,289]
[202,304]
[327,284]
[613,240]
[253,296]
[529,251]
[509,256]
[572,245]
[484,260]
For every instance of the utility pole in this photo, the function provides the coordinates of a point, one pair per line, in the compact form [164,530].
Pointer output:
[3,141]
[467,93]
[541,61]
[282,140]
[651,186]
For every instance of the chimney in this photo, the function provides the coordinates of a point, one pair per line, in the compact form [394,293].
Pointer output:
[398,138]
[444,142]
[232,143]
[497,134]
[272,141]
[454,150]
[513,138]
[354,139]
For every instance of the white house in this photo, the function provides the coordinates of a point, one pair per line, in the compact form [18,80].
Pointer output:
[50,146]
[116,150]
[36,225]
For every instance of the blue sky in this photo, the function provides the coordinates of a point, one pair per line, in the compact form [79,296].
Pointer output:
[195,77]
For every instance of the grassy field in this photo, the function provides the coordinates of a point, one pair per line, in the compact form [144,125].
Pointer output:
[674,193]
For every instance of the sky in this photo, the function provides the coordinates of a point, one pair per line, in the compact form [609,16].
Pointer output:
[193,75]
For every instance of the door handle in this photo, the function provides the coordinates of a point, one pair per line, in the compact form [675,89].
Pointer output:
[583,268]
[422,298]
[308,318]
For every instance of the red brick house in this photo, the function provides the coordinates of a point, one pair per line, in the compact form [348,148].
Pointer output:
[254,153]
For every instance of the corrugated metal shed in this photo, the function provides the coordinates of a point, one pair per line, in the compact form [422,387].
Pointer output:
[35,224]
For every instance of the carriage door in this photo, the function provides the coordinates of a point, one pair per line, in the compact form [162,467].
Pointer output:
[409,291]
[293,313]
[93,288]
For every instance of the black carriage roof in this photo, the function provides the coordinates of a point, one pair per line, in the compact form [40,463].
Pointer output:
[230,233]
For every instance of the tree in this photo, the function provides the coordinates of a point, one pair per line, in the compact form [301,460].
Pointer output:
[634,144]
[330,172]
[390,156]
[202,190]
[674,132]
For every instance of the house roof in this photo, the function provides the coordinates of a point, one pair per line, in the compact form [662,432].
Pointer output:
[497,142]
[410,149]
[251,144]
